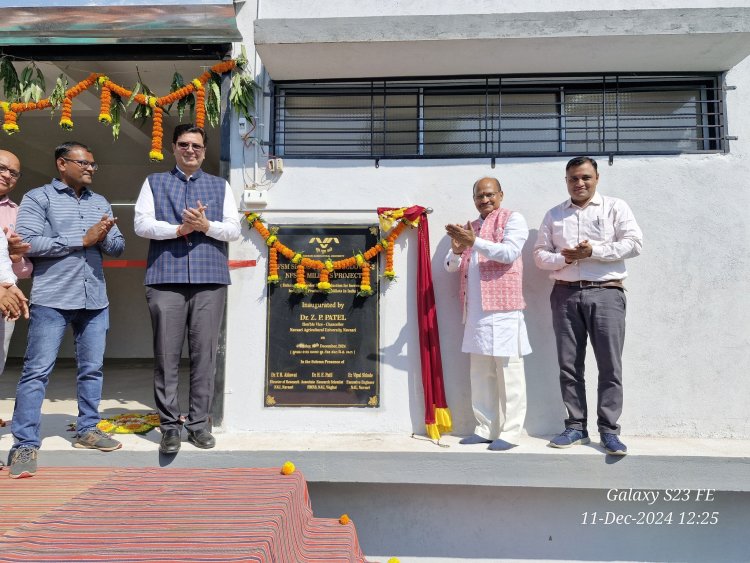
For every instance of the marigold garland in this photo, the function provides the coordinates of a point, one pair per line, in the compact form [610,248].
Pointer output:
[10,126]
[200,106]
[273,265]
[66,121]
[11,111]
[360,260]
[156,136]
[105,117]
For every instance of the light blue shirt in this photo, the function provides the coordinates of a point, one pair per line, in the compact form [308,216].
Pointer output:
[53,220]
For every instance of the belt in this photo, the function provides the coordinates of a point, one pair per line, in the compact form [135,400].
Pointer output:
[586,283]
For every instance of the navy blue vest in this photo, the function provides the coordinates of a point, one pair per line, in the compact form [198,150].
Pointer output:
[195,258]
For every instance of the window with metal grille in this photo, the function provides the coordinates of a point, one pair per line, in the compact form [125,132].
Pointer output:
[500,116]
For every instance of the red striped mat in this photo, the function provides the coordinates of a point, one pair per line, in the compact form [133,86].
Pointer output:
[133,514]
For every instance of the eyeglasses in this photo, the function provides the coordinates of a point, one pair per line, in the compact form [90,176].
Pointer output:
[480,197]
[182,145]
[82,163]
[15,174]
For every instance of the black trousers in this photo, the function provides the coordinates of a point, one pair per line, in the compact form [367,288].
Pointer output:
[177,311]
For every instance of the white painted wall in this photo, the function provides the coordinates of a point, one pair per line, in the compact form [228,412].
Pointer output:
[365,8]
[687,347]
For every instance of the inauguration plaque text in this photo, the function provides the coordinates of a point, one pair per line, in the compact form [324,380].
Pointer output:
[323,348]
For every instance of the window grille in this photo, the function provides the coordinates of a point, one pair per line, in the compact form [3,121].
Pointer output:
[499,116]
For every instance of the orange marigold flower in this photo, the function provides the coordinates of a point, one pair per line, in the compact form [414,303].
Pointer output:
[288,468]
[344,519]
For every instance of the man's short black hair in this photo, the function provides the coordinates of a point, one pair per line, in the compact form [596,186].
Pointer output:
[183,128]
[580,161]
[67,146]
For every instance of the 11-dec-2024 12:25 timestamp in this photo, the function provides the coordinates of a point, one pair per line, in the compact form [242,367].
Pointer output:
[650,518]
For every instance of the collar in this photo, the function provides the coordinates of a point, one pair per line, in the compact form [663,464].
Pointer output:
[596,200]
[61,186]
[5,200]
[182,176]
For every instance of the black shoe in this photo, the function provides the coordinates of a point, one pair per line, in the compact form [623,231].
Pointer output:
[201,439]
[474,439]
[170,442]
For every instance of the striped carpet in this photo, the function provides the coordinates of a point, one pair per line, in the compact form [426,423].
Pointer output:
[134,514]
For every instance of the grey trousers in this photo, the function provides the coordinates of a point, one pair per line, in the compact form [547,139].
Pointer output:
[195,311]
[599,314]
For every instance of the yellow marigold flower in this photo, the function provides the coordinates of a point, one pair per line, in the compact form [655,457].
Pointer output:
[324,286]
[365,288]
[394,560]
[197,83]
[155,156]
[66,124]
[360,259]
[273,279]
[102,80]
[344,519]
[5,106]
[288,468]
[299,288]
[152,101]
[384,243]
[297,258]
[105,118]
[272,239]
[105,426]
[389,274]
[329,265]
[251,217]
[10,128]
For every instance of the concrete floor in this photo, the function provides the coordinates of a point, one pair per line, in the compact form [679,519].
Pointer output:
[393,485]
[128,387]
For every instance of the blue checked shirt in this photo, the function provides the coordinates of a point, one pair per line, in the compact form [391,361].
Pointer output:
[66,275]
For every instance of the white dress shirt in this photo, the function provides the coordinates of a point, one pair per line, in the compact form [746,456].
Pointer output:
[147,226]
[493,333]
[609,226]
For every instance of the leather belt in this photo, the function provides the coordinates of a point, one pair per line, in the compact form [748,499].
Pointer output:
[585,283]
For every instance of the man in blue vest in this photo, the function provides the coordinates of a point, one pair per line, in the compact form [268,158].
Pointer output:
[189,216]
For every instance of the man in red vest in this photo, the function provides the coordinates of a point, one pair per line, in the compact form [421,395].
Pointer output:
[487,253]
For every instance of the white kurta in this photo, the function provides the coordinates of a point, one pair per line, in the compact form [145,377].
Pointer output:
[493,333]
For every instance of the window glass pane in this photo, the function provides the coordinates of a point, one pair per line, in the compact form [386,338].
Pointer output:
[460,123]
[529,123]
[315,124]
[633,121]
[660,121]
[396,125]
[348,125]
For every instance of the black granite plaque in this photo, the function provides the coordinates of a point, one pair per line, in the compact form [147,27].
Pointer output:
[323,348]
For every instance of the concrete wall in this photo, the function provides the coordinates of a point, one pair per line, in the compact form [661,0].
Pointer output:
[687,342]
[454,524]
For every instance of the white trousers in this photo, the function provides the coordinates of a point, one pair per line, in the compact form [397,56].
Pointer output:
[6,331]
[498,396]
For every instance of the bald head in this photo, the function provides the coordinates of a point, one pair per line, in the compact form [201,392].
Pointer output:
[10,172]
[487,195]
